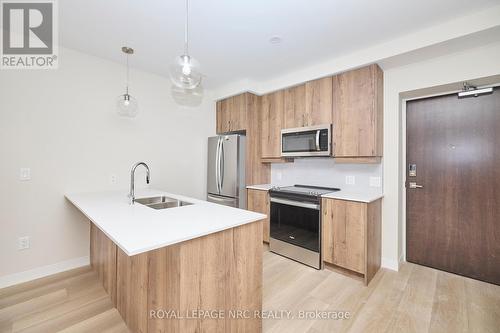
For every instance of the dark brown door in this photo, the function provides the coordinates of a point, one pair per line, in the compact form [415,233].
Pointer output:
[453,221]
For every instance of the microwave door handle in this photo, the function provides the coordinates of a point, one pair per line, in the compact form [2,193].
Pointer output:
[317,140]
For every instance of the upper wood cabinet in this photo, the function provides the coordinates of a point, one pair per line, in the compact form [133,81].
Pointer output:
[242,113]
[295,106]
[272,110]
[351,101]
[308,104]
[351,235]
[318,109]
[232,114]
[258,201]
[358,113]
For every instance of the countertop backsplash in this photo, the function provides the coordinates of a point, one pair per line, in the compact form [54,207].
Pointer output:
[325,172]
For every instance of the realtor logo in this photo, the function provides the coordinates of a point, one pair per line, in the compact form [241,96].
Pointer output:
[29,34]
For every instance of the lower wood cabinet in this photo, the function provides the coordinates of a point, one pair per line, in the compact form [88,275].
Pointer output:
[258,201]
[351,235]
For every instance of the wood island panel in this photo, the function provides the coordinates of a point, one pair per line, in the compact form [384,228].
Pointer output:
[132,287]
[220,271]
[103,260]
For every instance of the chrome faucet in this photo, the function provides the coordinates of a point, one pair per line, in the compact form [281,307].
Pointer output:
[131,195]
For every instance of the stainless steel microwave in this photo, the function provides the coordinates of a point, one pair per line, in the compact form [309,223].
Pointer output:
[306,141]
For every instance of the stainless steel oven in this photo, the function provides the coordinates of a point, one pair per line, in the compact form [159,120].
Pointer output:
[295,221]
[306,141]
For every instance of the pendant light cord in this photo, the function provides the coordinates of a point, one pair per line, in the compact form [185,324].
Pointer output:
[186,31]
[127,74]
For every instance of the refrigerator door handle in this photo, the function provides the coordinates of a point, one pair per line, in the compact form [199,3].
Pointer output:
[219,182]
[217,153]
[232,202]
[222,157]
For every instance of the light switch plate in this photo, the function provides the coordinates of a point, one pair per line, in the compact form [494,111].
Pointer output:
[350,180]
[375,181]
[25,174]
[23,243]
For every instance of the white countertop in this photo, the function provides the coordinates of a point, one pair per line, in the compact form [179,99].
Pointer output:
[366,197]
[354,196]
[261,187]
[138,228]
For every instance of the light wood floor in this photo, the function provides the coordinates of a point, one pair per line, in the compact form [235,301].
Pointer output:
[415,299]
[73,301]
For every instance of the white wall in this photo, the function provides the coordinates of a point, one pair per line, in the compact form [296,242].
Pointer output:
[442,71]
[325,172]
[62,124]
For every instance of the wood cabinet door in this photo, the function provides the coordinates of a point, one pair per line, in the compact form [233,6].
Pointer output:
[223,116]
[357,112]
[343,234]
[232,114]
[294,109]
[272,123]
[238,113]
[318,102]
[258,201]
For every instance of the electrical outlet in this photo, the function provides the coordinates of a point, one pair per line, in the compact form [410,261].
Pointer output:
[350,180]
[25,174]
[113,178]
[23,243]
[375,181]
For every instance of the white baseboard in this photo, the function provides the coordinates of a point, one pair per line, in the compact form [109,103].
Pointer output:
[39,272]
[390,264]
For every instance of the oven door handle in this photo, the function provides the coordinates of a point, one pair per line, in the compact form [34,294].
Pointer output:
[317,140]
[296,203]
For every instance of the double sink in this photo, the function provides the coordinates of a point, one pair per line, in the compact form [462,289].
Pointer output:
[162,202]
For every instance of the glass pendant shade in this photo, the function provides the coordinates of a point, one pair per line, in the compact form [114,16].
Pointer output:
[127,105]
[185,73]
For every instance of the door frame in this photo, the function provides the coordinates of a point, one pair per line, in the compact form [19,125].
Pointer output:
[405,97]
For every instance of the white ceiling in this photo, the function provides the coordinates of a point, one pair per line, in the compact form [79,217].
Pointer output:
[230,38]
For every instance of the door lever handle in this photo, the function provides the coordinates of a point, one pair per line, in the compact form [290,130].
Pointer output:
[414,185]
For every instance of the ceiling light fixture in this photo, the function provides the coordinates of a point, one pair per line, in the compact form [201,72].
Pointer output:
[275,40]
[470,90]
[126,104]
[184,72]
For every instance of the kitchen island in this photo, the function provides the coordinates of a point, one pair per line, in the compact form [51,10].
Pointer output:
[190,268]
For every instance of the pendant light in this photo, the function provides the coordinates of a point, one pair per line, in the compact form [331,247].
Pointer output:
[184,72]
[126,104]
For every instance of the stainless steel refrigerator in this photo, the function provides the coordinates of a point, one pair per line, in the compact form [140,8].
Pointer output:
[226,170]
